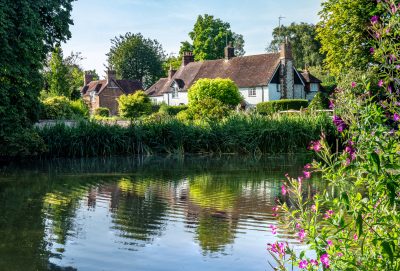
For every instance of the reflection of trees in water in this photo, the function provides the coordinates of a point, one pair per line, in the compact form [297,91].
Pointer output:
[140,212]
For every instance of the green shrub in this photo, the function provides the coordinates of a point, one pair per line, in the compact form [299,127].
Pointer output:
[134,105]
[319,102]
[206,109]
[267,108]
[102,112]
[172,110]
[60,107]
[224,90]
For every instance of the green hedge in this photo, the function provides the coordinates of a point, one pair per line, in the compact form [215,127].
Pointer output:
[60,107]
[267,108]
[102,112]
[172,110]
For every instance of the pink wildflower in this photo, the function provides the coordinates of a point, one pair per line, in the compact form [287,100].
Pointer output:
[283,189]
[328,214]
[329,242]
[340,254]
[315,145]
[302,235]
[353,84]
[314,262]
[298,225]
[300,180]
[372,50]
[273,229]
[325,260]
[303,264]
[380,83]
[396,117]
[355,237]
[307,174]
[313,208]
[374,19]
[308,166]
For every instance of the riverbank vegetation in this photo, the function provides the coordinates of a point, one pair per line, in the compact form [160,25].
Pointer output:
[238,133]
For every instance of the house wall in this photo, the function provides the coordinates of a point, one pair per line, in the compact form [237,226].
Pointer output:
[181,99]
[273,93]
[299,92]
[261,93]
[314,88]
[157,99]
[108,98]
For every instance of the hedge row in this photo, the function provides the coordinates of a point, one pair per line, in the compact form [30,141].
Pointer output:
[267,108]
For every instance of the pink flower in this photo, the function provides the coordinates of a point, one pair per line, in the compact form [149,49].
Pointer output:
[315,145]
[298,225]
[273,229]
[283,189]
[353,84]
[372,50]
[325,260]
[355,237]
[307,174]
[331,104]
[302,235]
[300,180]
[308,166]
[396,117]
[278,248]
[328,214]
[313,208]
[282,249]
[275,208]
[329,242]
[374,19]
[314,262]
[380,83]
[340,254]
[303,264]
[273,248]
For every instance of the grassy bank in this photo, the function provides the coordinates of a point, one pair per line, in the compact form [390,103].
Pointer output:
[236,134]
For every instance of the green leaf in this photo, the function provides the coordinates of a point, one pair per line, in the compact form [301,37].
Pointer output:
[359,223]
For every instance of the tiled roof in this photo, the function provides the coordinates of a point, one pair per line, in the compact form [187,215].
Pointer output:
[246,71]
[309,78]
[127,86]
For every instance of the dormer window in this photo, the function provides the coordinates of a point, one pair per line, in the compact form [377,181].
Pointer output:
[175,92]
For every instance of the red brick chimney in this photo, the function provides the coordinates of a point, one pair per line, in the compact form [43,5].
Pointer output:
[171,72]
[187,58]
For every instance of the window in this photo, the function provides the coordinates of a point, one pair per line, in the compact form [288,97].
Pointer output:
[252,92]
[314,87]
[175,93]
[278,87]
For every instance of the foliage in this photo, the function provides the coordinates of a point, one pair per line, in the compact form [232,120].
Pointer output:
[60,107]
[207,109]
[210,37]
[172,110]
[57,79]
[135,57]
[171,62]
[235,134]
[305,49]
[343,34]
[224,90]
[270,107]
[354,224]
[319,102]
[28,29]
[102,112]
[329,82]
[134,105]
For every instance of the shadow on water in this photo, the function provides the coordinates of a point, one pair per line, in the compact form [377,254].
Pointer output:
[74,212]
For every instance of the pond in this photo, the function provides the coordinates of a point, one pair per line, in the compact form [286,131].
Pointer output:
[151,213]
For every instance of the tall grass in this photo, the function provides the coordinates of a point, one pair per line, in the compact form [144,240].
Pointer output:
[236,134]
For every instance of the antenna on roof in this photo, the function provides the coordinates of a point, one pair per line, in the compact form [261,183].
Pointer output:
[280,28]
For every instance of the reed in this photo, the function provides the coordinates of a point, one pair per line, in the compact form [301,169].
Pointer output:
[239,133]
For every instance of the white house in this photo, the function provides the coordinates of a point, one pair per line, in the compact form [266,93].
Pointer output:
[260,78]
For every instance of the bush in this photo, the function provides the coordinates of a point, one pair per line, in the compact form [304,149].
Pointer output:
[224,90]
[134,105]
[319,102]
[206,109]
[102,112]
[172,110]
[60,107]
[267,108]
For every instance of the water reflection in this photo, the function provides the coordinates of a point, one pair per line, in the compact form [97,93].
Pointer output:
[78,213]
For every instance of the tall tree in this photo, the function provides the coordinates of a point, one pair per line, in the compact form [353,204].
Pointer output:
[305,49]
[209,38]
[57,78]
[137,58]
[343,34]
[28,29]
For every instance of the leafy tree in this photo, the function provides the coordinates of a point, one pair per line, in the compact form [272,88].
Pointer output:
[205,109]
[171,62]
[28,30]
[134,105]
[224,90]
[305,47]
[209,38]
[185,47]
[57,78]
[137,58]
[343,34]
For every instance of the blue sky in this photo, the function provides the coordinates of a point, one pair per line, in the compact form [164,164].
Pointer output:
[96,22]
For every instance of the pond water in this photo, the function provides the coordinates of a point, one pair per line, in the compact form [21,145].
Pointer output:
[153,213]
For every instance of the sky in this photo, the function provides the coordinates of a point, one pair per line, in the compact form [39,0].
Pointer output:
[96,22]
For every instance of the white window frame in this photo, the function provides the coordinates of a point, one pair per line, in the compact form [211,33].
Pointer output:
[175,94]
[252,92]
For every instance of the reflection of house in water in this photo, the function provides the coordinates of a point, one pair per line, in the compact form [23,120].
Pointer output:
[214,210]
